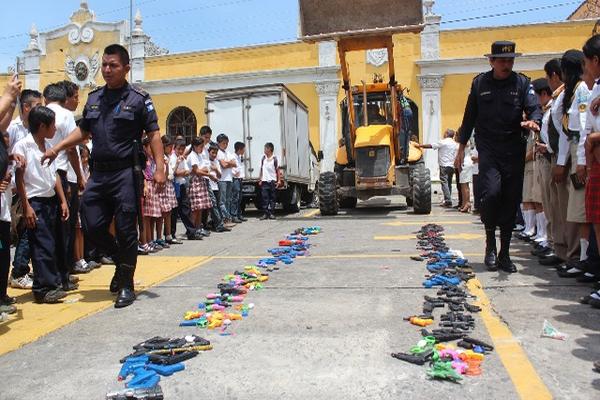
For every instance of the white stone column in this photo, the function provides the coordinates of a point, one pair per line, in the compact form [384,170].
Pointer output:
[138,49]
[31,61]
[431,114]
[431,87]
[328,107]
[328,122]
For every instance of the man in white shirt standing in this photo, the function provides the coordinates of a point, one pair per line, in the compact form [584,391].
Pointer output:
[446,148]
[17,129]
[55,95]
[227,162]
[239,174]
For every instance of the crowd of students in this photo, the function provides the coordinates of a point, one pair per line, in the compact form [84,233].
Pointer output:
[561,190]
[39,206]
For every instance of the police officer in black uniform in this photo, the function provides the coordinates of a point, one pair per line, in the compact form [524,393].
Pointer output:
[495,108]
[116,115]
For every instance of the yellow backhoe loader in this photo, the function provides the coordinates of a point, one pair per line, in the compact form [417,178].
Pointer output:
[375,156]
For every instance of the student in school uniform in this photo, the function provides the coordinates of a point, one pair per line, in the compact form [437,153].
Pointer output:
[181,172]
[227,162]
[41,190]
[239,173]
[199,198]
[269,180]
[168,200]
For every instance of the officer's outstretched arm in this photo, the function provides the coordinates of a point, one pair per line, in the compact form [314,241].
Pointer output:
[76,137]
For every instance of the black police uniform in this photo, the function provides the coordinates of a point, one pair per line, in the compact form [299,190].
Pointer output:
[495,110]
[115,118]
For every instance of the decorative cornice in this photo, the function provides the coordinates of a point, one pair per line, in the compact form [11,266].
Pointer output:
[473,65]
[328,88]
[431,81]
[226,81]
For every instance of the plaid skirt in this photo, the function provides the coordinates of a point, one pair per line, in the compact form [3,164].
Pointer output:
[199,199]
[592,195]
[151,202]
[168,201]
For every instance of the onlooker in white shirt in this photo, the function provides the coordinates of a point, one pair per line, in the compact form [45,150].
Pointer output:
[239,173]
[40,189]
[446,148]
[227,162]
[19,127]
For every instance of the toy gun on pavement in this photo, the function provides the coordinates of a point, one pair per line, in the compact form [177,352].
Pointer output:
[154,393]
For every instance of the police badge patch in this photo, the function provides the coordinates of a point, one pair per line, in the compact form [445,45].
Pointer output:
[149,105]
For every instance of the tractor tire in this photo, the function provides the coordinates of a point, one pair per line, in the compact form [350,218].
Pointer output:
[348,202]
[421,190]
[328,201]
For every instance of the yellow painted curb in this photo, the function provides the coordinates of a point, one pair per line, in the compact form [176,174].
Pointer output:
[33,320]
[525,378]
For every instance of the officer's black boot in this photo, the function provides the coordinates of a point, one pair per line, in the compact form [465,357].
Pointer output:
[126,295]
[490,259]
[504,261]
[114,282]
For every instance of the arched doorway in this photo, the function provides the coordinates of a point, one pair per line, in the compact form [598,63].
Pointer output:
[182,121]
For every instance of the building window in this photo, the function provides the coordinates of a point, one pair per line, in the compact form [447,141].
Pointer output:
[182,121]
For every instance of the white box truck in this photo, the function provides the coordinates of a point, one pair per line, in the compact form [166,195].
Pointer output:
[260,114]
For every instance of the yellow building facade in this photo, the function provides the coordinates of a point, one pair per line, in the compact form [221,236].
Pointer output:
[436,66]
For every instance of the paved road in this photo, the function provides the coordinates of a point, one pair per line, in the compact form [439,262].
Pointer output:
[324,328]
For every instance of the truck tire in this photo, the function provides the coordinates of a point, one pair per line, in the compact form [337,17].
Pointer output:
[348,202]
[421,190]
[328,201]
[292,199]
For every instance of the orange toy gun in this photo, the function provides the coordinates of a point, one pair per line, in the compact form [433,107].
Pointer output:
[419,321]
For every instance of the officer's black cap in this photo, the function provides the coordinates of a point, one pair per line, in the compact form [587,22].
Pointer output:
[503,49]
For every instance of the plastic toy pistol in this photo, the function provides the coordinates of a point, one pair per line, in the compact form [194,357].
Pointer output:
[441,280]
[443,370]
[420,359]
[417,320]
[154,393]
[134,365]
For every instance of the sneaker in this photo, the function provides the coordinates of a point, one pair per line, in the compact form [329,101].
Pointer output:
[8,309]
[141,251]
[272,216]
[7,300]
[156,246]
[243,219]
[107,260]
[69,287]
[263,217]
[93,264]
[163,244]
[203,232]
[73,278]
[22,282]
[195,236]
[222,229]
[237,221]
[81,267]
[174,241]
[52,296]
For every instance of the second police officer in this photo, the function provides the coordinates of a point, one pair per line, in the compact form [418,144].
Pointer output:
[116,115]
[500,106]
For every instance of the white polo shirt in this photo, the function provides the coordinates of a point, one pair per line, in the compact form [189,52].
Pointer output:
[447,149]
[16,131]
[65,124]
[181,167]
[39,180]
[226,173]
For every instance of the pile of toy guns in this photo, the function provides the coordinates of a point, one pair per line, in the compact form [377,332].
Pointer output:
[447,270]
[151,359]
[158,357]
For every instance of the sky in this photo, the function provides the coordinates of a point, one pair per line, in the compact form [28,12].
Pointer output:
[187,25]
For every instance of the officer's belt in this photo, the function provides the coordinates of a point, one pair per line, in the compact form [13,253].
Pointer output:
[109,166]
